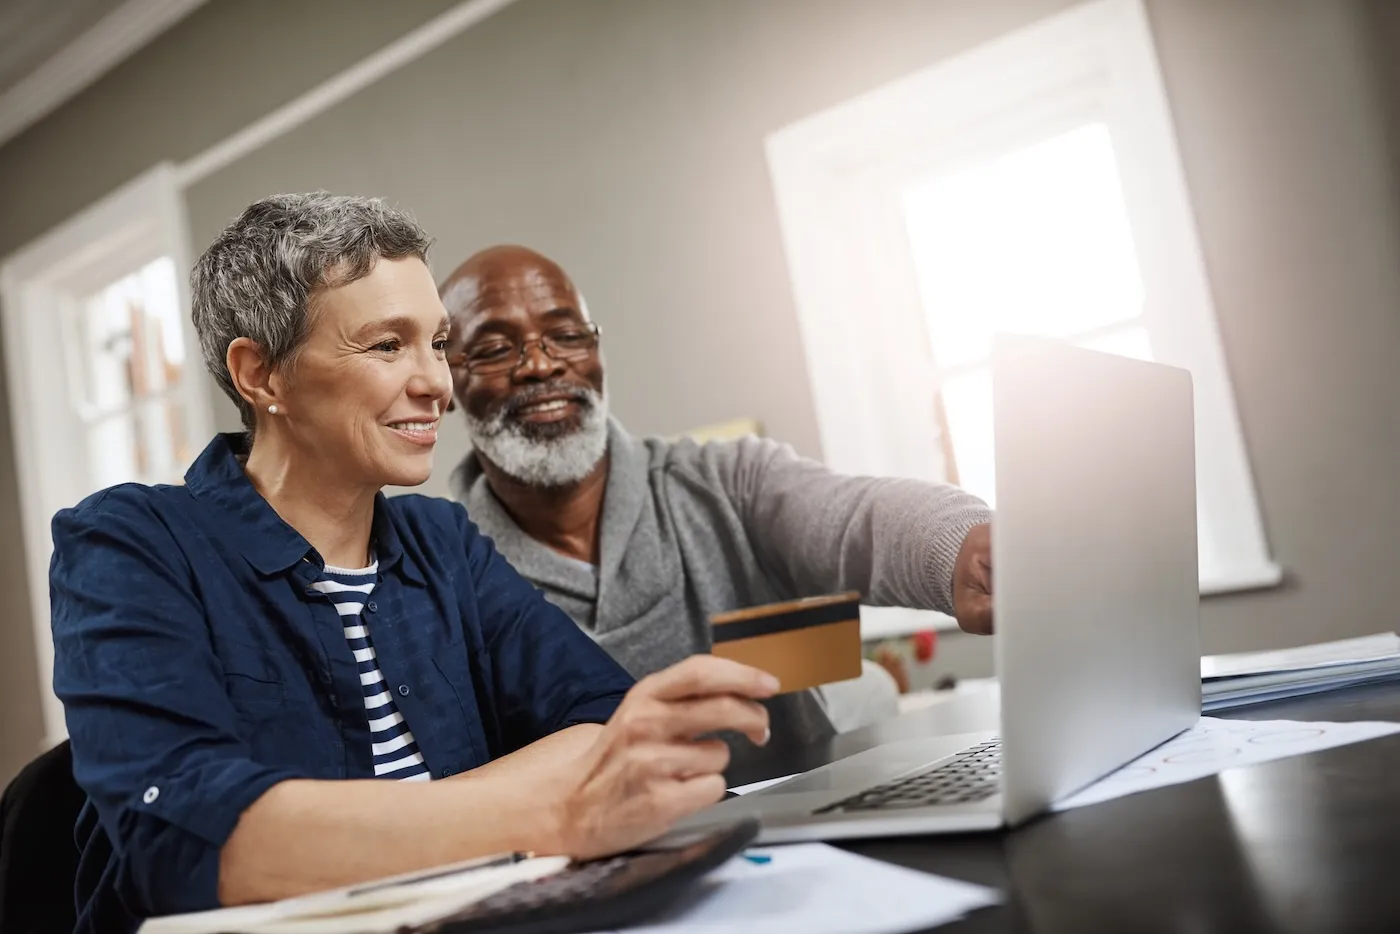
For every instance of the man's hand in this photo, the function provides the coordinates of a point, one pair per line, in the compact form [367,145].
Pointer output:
[972,581]
[648,769]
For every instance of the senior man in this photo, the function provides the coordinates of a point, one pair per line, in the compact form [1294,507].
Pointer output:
[641,541]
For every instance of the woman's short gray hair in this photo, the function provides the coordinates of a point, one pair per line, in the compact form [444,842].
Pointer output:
[258,277]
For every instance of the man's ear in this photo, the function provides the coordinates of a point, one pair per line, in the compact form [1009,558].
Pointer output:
[254,379]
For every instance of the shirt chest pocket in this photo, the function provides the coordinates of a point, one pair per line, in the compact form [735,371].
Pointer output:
[255,687]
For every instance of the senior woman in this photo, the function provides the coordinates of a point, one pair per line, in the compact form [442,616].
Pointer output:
[241,657]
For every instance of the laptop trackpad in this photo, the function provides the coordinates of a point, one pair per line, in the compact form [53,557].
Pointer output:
[840,779]
[871,767]
[800,796]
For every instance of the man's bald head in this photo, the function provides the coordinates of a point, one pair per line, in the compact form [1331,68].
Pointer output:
[525,366]
[505,275]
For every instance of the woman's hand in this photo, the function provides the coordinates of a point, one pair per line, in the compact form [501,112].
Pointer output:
[648,769]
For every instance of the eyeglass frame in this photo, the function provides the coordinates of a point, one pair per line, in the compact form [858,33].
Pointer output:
[459,360]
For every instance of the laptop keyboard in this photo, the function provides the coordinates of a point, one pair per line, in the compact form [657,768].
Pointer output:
[972,775]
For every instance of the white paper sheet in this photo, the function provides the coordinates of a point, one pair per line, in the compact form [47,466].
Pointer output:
[812,888]
[1214,745]
[391,904]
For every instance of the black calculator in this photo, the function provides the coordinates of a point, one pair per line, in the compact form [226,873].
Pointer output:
[600,894]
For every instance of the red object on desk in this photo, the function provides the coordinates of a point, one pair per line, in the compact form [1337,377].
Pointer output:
[925,645]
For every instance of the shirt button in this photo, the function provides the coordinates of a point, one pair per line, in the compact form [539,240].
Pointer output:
[403,690]
[371,606]
[444,773]
[151,795]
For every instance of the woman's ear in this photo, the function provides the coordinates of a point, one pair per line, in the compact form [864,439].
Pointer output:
[252,376]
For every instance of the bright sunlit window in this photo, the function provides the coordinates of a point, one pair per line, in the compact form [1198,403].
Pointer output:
[1030,185]
[128,370]
[1037,242]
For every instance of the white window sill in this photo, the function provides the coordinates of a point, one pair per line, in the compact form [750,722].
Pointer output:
[1260,577]
[889,622]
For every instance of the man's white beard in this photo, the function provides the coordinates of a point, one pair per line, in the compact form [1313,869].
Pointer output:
[535,458]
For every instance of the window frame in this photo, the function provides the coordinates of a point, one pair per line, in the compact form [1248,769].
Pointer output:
[41,287]
[838,177]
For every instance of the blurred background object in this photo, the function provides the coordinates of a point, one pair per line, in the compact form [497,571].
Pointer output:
[731,430]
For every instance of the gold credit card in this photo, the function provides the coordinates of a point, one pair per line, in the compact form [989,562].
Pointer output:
[803,643]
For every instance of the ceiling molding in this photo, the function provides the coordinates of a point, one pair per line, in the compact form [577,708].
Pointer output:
[85,59]
[407,48]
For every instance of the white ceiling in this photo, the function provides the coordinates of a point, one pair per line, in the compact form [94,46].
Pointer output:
[33,31]
[52,49]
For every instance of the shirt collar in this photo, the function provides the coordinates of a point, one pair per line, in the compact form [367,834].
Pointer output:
[269,544]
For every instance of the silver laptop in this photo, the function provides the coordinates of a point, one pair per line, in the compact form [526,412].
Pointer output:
[1096,604]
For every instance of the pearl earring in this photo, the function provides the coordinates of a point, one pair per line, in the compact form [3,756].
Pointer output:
[272,410]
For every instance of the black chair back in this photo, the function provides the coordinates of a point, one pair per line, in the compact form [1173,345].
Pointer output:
[38,858]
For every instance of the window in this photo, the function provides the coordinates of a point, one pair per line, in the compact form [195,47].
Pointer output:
[1031,185]
[97,344]
[1035,241]
[126,355]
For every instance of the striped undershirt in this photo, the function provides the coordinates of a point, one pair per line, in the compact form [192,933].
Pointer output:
[396,754]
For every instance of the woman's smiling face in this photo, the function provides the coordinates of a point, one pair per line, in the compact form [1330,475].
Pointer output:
[366,391]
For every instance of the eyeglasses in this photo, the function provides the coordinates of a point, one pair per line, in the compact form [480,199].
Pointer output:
[493,355]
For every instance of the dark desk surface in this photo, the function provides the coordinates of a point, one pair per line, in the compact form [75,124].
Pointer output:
[1310,843]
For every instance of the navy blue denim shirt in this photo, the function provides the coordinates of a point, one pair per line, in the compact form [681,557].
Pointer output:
[197,668]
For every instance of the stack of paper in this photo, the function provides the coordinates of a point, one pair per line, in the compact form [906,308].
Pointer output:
[1255,677]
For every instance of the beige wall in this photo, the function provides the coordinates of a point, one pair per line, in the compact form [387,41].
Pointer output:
[210,75]
[625,137]
[1280,118]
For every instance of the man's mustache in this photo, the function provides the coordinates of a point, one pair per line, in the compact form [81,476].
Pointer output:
[510,406]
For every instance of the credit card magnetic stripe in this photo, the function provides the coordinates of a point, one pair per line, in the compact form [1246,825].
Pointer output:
[785,622]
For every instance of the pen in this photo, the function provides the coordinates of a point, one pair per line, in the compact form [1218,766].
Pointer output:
[471,865]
